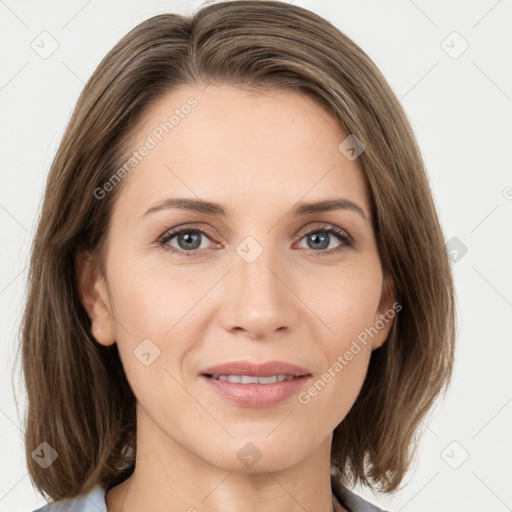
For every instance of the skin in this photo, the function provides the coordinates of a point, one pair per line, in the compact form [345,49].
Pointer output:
[257,154]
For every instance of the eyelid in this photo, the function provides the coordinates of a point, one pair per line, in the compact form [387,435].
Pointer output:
[331,228]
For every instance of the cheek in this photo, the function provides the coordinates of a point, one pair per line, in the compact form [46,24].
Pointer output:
[347,304]
[345,299]
[148,298]
[348,309]
[148,306]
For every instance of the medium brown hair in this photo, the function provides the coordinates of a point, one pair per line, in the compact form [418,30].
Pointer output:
[79,400]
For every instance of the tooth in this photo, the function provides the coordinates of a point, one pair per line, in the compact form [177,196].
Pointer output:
[248,379]
[268,380]
[251,379]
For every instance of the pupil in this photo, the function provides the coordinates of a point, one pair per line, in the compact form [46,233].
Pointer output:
[190,240]
[320,241]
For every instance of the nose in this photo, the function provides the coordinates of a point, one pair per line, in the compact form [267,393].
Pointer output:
[258,298]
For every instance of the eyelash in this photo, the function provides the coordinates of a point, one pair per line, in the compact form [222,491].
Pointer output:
[324,228]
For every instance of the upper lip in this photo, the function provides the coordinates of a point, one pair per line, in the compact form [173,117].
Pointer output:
[256,369]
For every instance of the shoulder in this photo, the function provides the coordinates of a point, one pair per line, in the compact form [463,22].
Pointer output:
[94,501]
[352,501]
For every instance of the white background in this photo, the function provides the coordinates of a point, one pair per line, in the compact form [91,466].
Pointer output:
[460,109]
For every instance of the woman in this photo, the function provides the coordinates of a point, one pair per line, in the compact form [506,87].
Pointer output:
[239,294]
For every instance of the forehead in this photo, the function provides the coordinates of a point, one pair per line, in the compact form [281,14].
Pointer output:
[246,148]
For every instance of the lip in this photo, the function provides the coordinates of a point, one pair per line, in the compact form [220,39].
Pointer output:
[256,395]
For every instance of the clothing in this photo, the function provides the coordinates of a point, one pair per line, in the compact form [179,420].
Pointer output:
[351,501]
[94,501]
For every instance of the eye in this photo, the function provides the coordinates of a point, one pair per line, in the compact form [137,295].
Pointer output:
[188,240]
[320,238]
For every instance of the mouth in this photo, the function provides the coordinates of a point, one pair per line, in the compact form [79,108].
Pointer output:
[253,379]
[256,385]
[248,369]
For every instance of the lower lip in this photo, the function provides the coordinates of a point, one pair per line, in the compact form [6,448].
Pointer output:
[257,395]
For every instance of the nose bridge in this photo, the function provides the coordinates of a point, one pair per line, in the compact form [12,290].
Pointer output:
[253,263]
[258,300]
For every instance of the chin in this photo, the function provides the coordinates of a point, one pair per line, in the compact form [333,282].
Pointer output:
[253,457]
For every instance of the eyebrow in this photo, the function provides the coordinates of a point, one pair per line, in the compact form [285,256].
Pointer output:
[211,208]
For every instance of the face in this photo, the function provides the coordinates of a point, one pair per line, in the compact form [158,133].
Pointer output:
[256,277]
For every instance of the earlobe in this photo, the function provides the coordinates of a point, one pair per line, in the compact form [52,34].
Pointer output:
[92,291]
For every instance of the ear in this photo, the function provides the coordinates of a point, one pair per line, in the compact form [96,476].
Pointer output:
[386,312]
[92,290]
